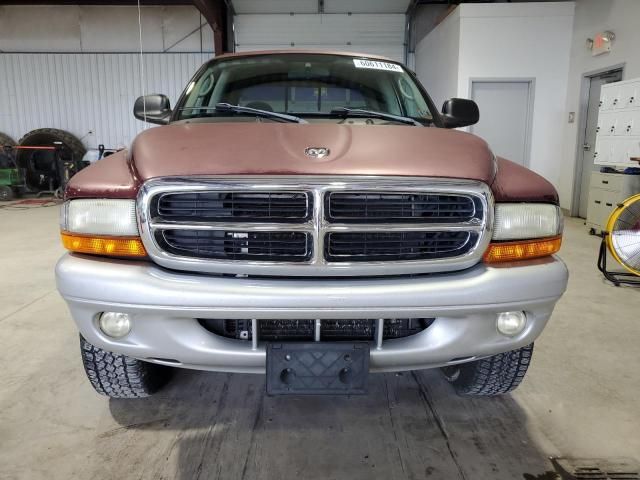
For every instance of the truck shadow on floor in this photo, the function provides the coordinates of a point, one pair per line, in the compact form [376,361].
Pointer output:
[410,425]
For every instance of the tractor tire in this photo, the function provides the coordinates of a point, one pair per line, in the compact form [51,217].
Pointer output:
[495,375]
[120,376]
[39,165]
[6,193]
[5,159]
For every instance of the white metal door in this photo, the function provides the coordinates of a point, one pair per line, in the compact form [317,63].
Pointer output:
[505,116]
[591,128]
[376,34]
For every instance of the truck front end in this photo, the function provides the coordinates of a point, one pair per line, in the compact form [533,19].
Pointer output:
[311,239]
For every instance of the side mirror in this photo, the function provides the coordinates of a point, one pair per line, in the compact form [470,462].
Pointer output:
[460,112]
[154,108]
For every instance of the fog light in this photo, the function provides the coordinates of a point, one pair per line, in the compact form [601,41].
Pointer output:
[115,324]
[511,323]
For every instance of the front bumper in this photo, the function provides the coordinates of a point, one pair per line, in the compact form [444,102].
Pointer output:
[165,305]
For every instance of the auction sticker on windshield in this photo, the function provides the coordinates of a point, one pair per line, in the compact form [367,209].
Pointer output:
[391,67]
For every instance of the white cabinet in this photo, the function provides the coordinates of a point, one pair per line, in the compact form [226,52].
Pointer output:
[606,191]
[617,141]
[618,131]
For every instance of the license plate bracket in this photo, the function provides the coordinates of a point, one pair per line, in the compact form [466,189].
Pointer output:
[318,368]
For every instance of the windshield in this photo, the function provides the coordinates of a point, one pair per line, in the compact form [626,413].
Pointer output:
[310,86]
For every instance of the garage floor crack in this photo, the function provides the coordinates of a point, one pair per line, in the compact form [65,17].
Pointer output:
[424,394]
[256,423]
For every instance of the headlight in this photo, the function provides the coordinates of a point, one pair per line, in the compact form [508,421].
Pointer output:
[102,227]
[518,221]
[523,231]
[100,216]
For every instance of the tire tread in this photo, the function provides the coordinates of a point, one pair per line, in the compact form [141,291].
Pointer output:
[495,375]
[120,376]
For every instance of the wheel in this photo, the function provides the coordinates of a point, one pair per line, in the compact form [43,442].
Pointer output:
[6,193]
[592,231]
[493,375]
[42,171]
[119,376]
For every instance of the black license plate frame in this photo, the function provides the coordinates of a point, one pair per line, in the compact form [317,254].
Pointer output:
[317,368]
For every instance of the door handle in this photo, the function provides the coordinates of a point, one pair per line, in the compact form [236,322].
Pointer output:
[586,147]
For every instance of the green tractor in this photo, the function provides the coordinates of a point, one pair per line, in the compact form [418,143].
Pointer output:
[11,181]
[42,163]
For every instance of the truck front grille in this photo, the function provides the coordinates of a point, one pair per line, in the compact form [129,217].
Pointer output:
[290,226]
[319,330]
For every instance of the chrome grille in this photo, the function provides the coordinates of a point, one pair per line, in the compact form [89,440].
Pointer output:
[315,226]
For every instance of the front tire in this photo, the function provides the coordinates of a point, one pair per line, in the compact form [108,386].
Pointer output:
[495,375]
[120,376]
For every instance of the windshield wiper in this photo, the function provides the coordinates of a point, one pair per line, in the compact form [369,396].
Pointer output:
[358,112]
[227,107]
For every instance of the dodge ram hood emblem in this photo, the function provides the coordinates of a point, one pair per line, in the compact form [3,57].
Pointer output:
[317,152]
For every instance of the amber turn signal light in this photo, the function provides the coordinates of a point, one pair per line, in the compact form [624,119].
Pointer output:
[522,250]
[113,246]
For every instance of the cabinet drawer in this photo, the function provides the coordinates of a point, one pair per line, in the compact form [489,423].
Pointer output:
[628,96]
[610,200]
[607,181]
[601,204]
[596,213]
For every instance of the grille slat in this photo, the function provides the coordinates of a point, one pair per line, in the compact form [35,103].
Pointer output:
[372,246]
[226,245]
[358,207]
[287,330]
[235,206]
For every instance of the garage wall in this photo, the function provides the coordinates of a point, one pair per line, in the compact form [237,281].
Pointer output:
[77,68]
[437,59]
[591,17]
[380,34]
[530,40]
[511,40]
[89,95]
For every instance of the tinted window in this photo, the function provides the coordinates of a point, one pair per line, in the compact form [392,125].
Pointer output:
[304,84]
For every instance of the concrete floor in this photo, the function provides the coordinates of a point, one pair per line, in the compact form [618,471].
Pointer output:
[580,397]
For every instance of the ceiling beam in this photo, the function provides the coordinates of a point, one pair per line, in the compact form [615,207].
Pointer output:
[214,11]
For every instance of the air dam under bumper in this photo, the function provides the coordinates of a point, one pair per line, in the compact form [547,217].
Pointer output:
[165,305]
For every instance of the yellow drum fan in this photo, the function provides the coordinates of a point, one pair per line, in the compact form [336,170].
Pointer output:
[622,239]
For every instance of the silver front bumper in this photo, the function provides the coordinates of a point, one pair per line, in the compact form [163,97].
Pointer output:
[166,304]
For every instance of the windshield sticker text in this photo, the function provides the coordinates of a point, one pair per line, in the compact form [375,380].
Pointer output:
[375,65]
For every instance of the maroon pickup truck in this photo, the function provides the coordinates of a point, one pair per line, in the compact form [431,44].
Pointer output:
[311,217]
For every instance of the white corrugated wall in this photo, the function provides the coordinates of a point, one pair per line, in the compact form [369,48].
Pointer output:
[86,92]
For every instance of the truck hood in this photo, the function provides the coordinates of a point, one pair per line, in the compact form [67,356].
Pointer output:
[261,148]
